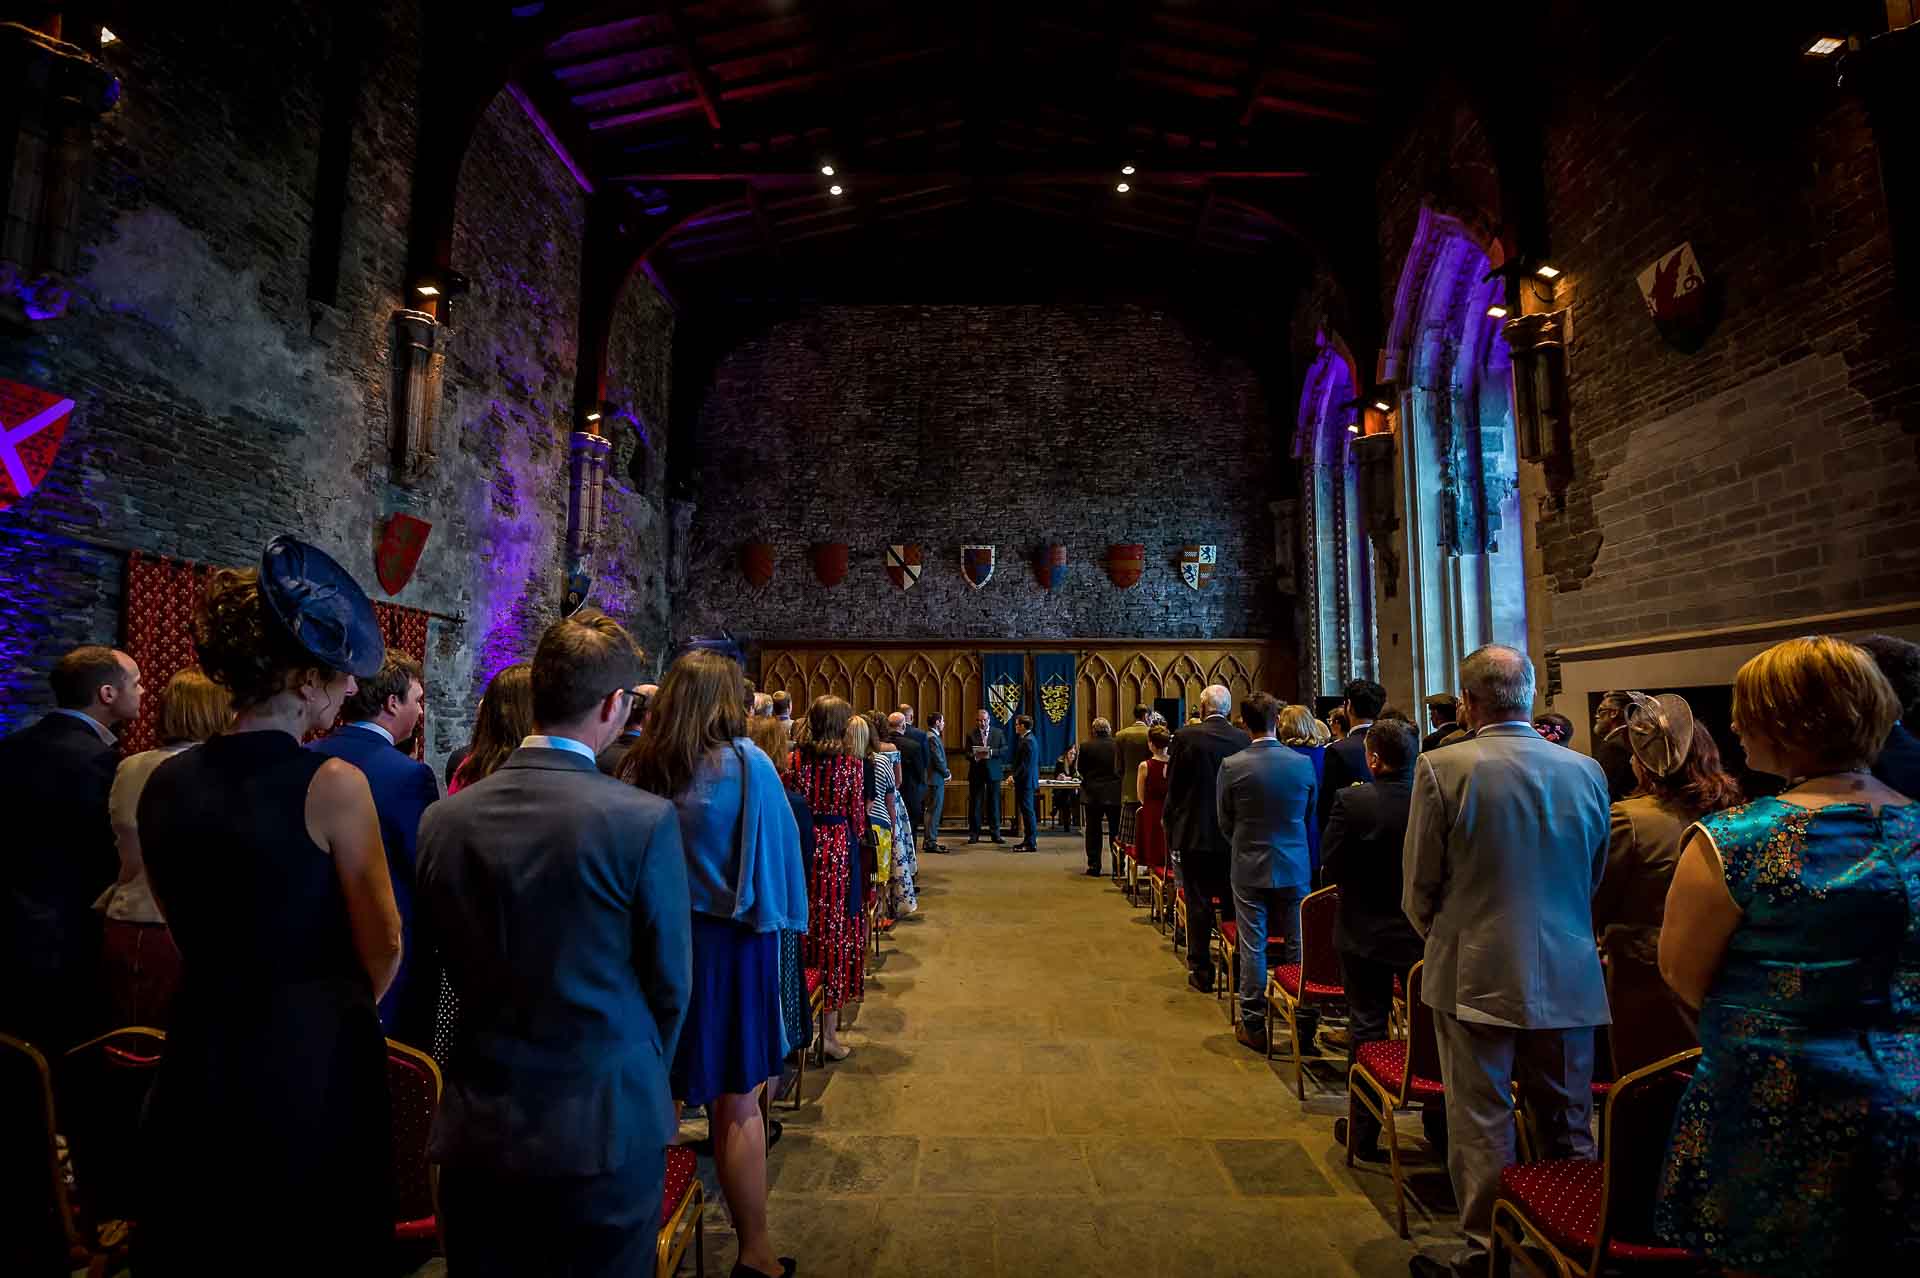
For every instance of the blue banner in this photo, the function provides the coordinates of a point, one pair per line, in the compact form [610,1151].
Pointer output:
[1053,687]
[1003,688]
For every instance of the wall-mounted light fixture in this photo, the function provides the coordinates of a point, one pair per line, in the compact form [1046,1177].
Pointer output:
[1541,412]
[1546,271]
[1374,456]
[1825,46]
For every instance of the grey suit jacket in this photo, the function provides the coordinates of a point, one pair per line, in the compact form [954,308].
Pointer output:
[1265,796]
[558,898]
[1506,843]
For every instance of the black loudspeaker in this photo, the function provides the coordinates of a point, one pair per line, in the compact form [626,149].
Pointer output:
[1173,710]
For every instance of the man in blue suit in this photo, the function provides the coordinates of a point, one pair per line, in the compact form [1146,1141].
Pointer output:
[986,766]
[1346,762]
[379,719]
[1026,783]
[558,896]
[1266,795]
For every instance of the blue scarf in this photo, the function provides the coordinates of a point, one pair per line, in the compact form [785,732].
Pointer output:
[741,843]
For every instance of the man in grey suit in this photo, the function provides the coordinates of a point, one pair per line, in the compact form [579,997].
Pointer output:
[558,897]
[1506,843]
[1266,796]
[938,773]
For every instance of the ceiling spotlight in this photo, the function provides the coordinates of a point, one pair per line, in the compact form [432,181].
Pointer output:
[1127,169]
[1497,312]
[826,170]
[107,37]
[1546,272]
[426,290]
[593,416]
[1123,188]
[1825,47]
[1382,405]
[1353,428]
[835,189]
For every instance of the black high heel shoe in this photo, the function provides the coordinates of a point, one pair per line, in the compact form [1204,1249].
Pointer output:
[787,1265]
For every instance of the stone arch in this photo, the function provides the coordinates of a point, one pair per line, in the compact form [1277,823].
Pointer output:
[1459,466]
[1340,628]
[784,674]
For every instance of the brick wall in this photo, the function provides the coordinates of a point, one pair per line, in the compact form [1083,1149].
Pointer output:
[215,405]
[1014,425]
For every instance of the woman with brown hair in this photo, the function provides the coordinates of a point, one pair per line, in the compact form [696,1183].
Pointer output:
[505,718]
[774,737]
[746,883]
[1676,767]
[268,1120]
[832,780]
[140,965]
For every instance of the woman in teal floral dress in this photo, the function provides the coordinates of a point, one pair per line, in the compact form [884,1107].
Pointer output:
[1793,924]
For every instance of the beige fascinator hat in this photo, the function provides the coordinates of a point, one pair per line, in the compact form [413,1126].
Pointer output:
[1658,730]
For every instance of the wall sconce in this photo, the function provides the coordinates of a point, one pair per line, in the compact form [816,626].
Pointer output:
[589,453]
[1542,429]
[1374,455]
[416,394]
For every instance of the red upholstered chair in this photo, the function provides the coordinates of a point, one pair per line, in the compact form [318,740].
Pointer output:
[1160,889]
[1179,933]
[1649,1022]
[100,1088]
[1314,979]
[413,1088]
[1392,1074]
[39,1237]
[816,1007]
[682,1215]
[1586,1216]
[1225,947]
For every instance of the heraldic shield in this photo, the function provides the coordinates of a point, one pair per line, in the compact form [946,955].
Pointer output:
[903,566]
[756,563]
[976,565]
[32,424]
[402,538]
[830,562]
[1125,562]
[1196,565]
[1050,565]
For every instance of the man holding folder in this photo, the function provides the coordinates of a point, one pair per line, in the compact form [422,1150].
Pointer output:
[986,765]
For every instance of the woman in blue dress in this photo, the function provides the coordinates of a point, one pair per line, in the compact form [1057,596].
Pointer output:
[1793,924]
[1297,731]
[747,884]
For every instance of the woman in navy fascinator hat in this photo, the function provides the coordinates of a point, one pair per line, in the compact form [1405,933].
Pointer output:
[269,1120]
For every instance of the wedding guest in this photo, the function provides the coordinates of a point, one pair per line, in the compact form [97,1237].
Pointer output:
[887,813]
[1613,756]
[1131,742]
[1025,767]
[382,714]
[609,759]
[1066,799]
[504,720]
[55,778]
[559,897]
[1305,735]
[1899,762]
[140,961]
[913,768]
[1193,822]
[939,772]
[1150,783]
[1791,924]
[832,779]
[747,886]
[1443,712]
[1556,728]
[1346,762]
[1101,790]
[773,736]
[267,862]
[1678,780]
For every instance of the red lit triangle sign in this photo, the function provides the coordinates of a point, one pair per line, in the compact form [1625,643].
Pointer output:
[32,424]
[402,538]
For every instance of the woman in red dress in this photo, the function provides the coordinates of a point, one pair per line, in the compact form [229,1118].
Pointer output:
[1149,833]
[833,784]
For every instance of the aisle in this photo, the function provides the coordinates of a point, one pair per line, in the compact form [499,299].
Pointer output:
[1035,1090]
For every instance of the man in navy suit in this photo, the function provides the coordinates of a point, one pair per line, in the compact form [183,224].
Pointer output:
[1026,784]
[380,717]
[1193,822]
[1347,758]
[913,768]
[558,896]
[59,853]
[986,766]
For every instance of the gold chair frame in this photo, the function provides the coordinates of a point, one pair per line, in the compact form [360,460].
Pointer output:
[686,1225]
[98,1260]
[1288,1007]
[1383,1102]
[1513,1232]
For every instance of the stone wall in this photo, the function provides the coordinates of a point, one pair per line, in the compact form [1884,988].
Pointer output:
[1011,425]
[217,405]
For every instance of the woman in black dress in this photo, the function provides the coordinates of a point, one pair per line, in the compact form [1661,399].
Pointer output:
[268,1132]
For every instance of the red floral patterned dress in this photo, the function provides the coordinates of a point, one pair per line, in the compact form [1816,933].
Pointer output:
[834,787]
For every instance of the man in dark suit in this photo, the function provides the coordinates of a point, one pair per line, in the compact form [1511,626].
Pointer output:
[1899,761]
[1347,758]
[1360,853]
[1265,798]
[1193,821]
[616,750]
[381,715]
[1443,710]
[1611,753]
[559,897]
[1100,789]
[59,853]
[986,765]
[913,768]
[1026,783]
[939,772]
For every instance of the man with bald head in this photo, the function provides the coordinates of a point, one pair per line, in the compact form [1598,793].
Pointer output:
[913,768]
[1193,823]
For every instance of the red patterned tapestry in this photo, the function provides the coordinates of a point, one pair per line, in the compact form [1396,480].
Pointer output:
[156,628]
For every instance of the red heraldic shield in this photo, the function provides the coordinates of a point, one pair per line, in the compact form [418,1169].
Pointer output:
[756,563]
[402,538]
[830,562]
[1125,562]
[32,424]
[1050,565]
